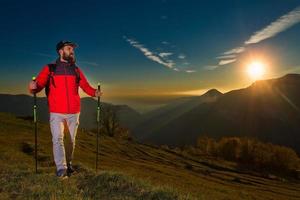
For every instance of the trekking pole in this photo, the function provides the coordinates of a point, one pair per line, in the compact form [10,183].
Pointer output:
[35,126]
[98,127]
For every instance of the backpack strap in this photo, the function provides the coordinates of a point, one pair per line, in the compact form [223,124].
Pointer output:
[50,80]
[77,75]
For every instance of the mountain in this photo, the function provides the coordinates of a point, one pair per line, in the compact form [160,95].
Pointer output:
[155,120]
[127,116]
[22,105]
[268,110]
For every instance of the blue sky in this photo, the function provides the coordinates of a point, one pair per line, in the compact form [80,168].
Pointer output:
[144,52]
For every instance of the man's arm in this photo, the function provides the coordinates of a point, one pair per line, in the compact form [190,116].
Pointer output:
[40,81]
[85,86]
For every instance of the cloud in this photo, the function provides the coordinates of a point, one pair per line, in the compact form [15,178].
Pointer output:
[160,58]
[227,56]
[225,62]
[165,54]
[234,51]
[211,67]
[190,71]
[150,55]
[280,25]
[182,56]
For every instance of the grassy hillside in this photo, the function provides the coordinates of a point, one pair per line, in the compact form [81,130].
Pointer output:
[128,170]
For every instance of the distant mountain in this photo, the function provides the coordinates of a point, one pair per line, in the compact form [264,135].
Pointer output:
[127,116]
[268,110]
[155,120]
[21,105]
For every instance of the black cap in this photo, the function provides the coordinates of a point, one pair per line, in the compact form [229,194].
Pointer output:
[63,43]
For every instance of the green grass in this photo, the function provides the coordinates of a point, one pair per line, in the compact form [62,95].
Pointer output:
[19,182]
[128,170]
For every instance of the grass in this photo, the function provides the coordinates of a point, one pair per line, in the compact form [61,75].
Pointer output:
[18,181]
[128,170]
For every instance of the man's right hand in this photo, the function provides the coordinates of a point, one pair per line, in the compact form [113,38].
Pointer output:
[32,86]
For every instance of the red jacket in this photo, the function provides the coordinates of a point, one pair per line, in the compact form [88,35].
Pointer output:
[63,95]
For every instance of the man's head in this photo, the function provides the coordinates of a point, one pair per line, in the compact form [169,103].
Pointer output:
[65,50]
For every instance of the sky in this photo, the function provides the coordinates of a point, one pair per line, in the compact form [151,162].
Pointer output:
[145,53]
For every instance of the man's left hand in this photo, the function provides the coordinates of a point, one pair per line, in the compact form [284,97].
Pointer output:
[98,93]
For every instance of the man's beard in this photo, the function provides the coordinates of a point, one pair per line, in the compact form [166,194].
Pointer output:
[70,58]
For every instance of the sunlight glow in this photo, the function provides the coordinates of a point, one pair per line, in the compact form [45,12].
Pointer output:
[256,70]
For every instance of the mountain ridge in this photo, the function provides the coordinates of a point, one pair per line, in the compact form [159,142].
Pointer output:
[266,109]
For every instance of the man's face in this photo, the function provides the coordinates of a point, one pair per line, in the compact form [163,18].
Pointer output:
[67,53]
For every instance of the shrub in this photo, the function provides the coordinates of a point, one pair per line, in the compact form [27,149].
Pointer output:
[206,145]
[251,152]
[229,148]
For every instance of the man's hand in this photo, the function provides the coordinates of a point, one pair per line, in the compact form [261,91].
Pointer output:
[32,86]
[98,93]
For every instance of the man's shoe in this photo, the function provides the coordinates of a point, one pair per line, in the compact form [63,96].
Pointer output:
[70,170]
[62,173]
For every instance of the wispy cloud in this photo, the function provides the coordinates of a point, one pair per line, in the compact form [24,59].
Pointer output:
[165,54]
[225,62]
[161,58]
[227,56]
[211,67]
[281,24]
[150,55]
[235,51]
[182,56]
[190,71]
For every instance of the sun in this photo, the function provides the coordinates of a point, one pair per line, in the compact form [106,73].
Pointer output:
[256,70]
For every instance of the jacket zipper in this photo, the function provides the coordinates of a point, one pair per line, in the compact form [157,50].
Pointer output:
[66,82]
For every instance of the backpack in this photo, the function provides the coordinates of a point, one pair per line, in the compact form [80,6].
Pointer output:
[50,80]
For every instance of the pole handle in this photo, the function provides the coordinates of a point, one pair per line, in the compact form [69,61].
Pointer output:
[98,107]
[34,106]
[34,79]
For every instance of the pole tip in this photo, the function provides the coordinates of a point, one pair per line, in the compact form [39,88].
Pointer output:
[98,84]
[33,78]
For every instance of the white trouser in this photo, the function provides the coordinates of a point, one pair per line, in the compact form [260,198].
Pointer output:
[57,122]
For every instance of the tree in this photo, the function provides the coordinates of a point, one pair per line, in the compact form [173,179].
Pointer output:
[109,120]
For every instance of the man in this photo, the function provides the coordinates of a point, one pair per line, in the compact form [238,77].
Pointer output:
[61,81]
